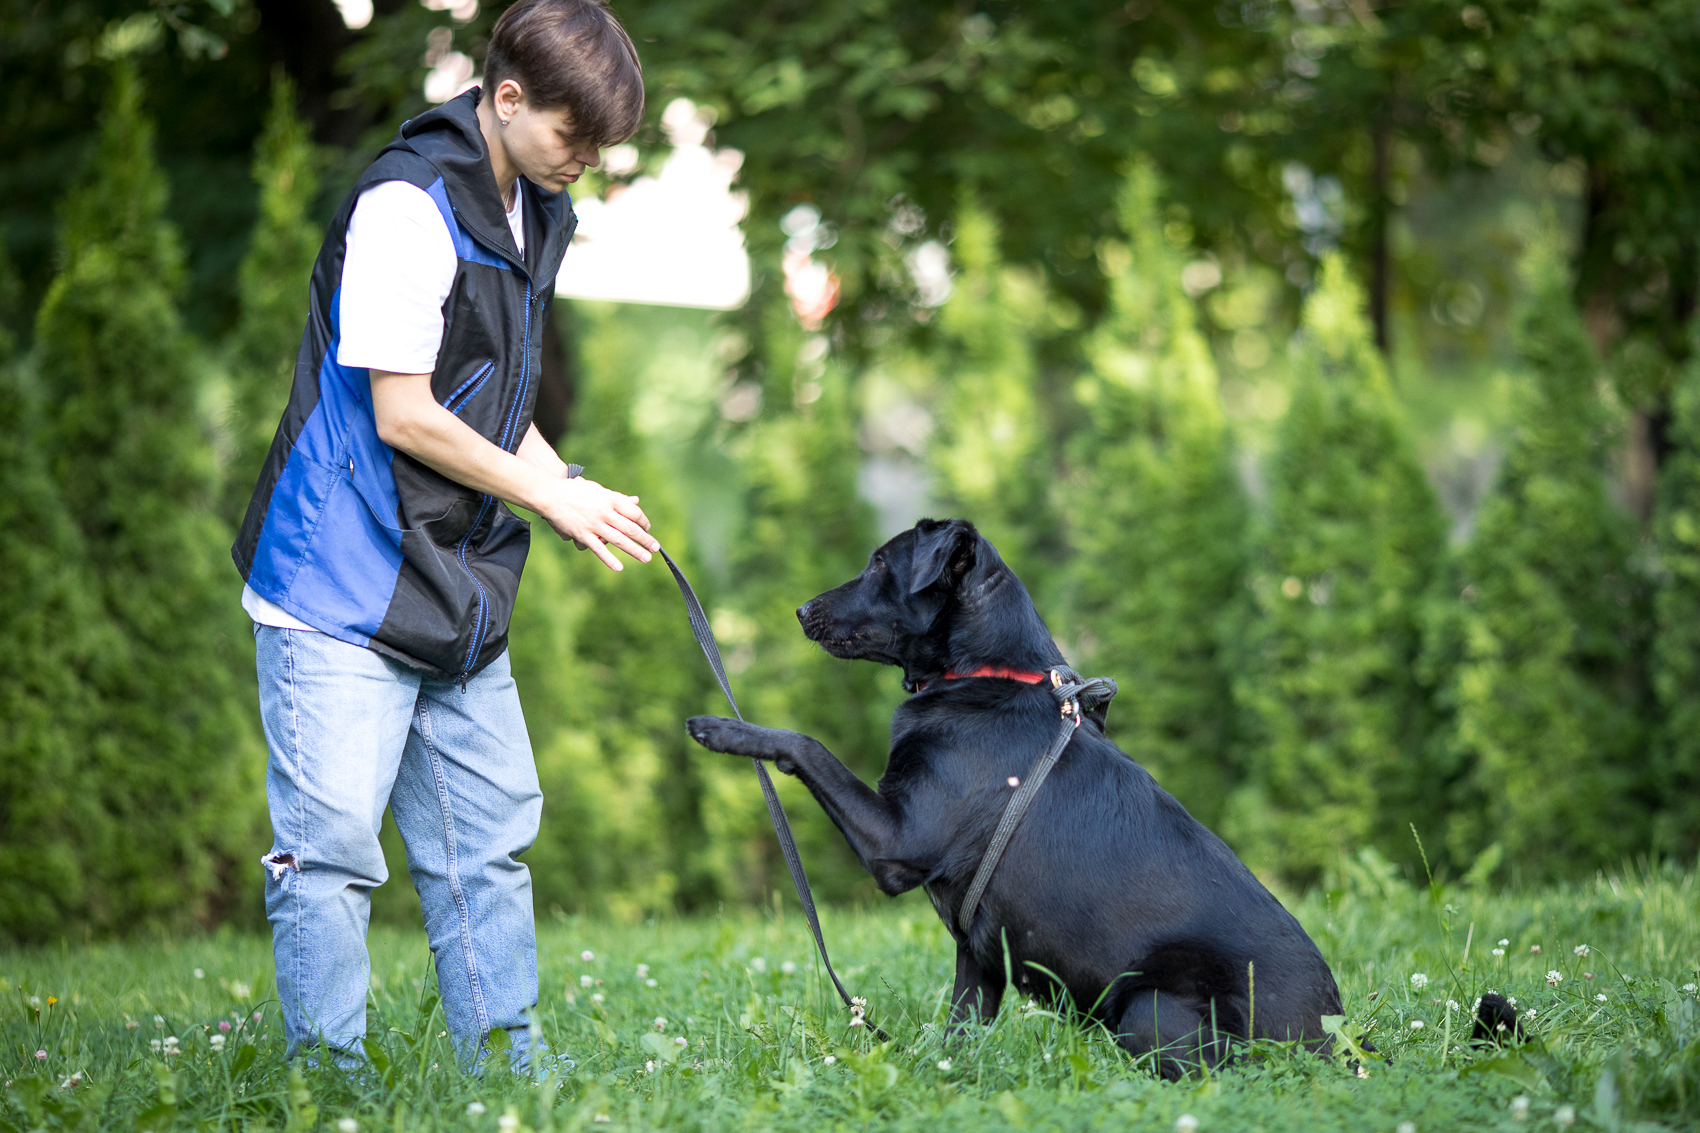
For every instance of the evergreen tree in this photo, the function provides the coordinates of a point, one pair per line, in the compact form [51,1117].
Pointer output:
[1546,625]
[49,821]
[806,531]
[1336,719]
[176,767]
[609,672]
[1676,647]
[1155,517]
[273,290]
[991,454]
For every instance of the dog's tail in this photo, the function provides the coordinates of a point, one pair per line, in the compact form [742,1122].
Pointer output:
[1496,1022]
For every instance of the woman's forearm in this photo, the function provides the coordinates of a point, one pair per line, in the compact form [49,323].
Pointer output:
[409,419]
[439,440]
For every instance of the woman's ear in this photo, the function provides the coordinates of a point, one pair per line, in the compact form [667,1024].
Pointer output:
[941,549]
[509,97]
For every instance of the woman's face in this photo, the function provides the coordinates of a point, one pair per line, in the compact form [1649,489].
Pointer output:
[540,143]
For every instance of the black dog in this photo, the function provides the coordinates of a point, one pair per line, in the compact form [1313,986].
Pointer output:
[1109,891]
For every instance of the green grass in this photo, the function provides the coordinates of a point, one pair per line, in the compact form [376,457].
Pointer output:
[769,1049]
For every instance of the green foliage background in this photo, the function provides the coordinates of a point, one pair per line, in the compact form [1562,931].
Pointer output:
[1348,591]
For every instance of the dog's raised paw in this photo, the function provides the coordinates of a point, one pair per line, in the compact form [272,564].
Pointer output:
[718,733]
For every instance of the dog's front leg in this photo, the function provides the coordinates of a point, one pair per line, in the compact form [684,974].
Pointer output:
[975,996]
[868,821]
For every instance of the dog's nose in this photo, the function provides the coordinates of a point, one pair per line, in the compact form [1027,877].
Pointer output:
[806,615]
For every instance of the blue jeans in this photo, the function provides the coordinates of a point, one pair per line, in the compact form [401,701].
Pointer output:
[350,731]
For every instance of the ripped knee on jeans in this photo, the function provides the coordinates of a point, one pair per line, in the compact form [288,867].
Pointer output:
[279,864]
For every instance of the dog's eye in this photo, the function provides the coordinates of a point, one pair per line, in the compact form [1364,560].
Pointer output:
[877,564]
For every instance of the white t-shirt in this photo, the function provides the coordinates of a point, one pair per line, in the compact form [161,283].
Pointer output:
[397,268]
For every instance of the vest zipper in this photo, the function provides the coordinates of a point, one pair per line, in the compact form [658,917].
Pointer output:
[482,625]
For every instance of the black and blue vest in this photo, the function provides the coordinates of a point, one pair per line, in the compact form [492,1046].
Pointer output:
[364,542]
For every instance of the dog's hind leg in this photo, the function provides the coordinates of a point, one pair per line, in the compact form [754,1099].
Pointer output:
[976,995]
[1155,1022]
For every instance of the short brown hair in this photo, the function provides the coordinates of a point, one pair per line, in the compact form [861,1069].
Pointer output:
[572,54]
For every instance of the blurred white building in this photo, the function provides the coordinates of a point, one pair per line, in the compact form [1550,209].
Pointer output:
[673,238]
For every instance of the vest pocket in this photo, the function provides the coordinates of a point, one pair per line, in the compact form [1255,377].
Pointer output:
[469,389]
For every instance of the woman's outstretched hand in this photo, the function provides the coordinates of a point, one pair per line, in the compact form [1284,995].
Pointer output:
[599,519]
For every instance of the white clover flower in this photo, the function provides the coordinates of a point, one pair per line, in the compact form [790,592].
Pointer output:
[597,998]
[35,1002]
[1554,978]
[652,982]
[944,1064]
[348,1125]
[1511,999]
[154,1045]
[1499,951]
[1505,943]
[170,1042]
[600,1119]
[1520,1107]
[1407,1127]
[642,970]
[72,1082]
[788,968]
[661,1022]
[1581,950]
[830,1059]
[1600,998]
[508,1122]
[587,955]
[131,1024]
[1419,981]
[680,1040]
[200,974]
[159,1020]
[1186,1123]
[1564,1116]
[858,1021]
[1691,988]
[586,981]
[759,963]
[475,1109]
[1452,1005]
[1417,1024]
[216,1042]
[1534,949]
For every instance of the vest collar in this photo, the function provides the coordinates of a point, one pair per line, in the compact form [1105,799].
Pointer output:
[449,137]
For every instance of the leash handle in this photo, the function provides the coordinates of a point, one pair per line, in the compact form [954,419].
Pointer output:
[704,633]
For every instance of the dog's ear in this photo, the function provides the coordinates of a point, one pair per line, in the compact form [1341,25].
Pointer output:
[943,551]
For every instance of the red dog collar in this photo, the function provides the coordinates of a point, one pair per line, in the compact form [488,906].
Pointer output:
[997,671]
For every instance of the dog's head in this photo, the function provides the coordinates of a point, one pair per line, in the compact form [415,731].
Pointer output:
[937,597]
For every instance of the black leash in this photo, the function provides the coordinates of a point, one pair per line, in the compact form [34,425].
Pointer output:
[1070,688]
[704,634]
